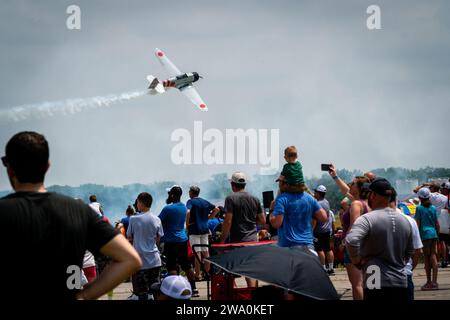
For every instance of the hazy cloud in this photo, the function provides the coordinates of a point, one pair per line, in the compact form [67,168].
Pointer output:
[341,93]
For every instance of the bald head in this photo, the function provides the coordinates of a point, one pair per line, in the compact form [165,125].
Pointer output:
[370,175]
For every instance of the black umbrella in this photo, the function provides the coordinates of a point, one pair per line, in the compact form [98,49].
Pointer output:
[295,269]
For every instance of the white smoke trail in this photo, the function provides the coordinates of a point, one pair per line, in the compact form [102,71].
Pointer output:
[64,107]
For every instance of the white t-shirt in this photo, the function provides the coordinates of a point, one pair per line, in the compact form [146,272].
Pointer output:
[439,201]
[444,221]
[96,207]
[89,260]
[144,228]
[417,243]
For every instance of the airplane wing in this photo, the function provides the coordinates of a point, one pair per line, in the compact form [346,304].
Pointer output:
[166,63]
[195,98]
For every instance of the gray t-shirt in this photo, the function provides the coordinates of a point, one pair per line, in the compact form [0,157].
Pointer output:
[244,208]
[144,228]
[384,238]
[325,227]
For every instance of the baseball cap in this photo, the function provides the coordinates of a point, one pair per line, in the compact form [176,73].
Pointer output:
[321,188]
[382,187]
[366,186]
[238,177]
[424,193]
[175,190]
[176,287]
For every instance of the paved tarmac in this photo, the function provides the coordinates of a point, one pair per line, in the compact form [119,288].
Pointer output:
[340,281]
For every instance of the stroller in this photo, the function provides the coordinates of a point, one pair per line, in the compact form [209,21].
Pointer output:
[221,285]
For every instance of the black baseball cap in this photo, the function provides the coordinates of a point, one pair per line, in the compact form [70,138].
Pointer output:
[382,187]
[175,190]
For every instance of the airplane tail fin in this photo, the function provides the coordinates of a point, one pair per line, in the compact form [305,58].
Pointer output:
[155,87]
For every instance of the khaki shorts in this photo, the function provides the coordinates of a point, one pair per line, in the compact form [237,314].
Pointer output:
[429,247]
[199,239]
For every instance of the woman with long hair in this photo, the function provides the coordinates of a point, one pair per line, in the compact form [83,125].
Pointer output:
[357,192]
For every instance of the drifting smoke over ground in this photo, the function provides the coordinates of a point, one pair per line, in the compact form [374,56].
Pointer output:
[64,107]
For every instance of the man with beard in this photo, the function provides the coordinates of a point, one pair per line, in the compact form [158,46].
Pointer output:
[48,234]
[173,219]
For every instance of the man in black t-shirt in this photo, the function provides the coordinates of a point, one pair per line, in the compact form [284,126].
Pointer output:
[45,235]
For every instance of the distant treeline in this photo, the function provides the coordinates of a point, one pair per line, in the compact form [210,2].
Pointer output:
[334,196]
[116,199]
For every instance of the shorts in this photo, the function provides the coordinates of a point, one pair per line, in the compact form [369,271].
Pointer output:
[143,280]
[429,247]
[199,239]
[323,242]
[90,273]
[177,254]
[444,237]
[410,288]
[347,259]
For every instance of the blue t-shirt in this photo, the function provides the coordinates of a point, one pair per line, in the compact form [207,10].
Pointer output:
[427,218]
[125,221]
[213,223]
[173,219]
[297,210]
[199,213]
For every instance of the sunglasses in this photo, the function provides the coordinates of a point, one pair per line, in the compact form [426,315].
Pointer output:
[5,161]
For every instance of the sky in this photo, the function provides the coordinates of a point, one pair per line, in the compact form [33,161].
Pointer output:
[343,94]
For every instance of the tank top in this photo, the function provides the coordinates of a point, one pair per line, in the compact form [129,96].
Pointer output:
[346,218]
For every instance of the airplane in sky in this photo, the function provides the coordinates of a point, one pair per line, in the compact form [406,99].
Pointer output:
[181,81]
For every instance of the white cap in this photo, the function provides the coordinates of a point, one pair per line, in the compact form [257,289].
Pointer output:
[238,177]
[424,193]
[321,188]
[176,287]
